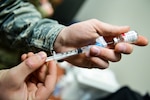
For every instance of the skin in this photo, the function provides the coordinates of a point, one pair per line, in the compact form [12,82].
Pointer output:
[33,79]
[47,7]
[85,33]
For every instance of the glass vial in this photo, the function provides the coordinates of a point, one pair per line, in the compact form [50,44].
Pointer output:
[129,37]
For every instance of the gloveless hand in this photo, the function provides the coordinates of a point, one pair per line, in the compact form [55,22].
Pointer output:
[33,79]
[85,33]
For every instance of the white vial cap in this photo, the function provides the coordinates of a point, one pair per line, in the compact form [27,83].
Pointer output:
[116,40]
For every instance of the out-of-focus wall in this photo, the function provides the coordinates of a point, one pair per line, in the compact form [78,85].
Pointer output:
[134,69]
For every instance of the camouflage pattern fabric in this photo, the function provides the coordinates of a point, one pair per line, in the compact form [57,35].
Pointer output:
[23,29]
[8,58]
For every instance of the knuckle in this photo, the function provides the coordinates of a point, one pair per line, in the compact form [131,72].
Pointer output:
[94,20]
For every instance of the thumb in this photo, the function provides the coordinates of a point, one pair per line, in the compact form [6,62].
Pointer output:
[29,65]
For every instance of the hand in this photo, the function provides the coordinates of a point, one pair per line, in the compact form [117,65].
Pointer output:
[33,79]
[85,33]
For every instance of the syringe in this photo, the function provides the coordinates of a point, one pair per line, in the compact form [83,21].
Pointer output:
[129,37]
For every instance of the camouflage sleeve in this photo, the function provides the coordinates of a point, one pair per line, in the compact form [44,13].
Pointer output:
[21,26]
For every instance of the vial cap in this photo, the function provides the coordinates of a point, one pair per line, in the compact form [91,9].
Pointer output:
[115,40]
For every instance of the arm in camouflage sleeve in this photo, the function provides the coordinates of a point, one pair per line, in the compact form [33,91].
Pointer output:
[21,26]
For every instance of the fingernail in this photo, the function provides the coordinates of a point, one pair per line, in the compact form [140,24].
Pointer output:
[42,55]
[122,48]
[95,50]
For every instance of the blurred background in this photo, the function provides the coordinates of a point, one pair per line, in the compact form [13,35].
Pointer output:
[134,69]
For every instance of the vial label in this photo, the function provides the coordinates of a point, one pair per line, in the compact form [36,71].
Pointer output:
[130,36]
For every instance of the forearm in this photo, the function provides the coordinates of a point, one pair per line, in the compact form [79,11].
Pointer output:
[22,26]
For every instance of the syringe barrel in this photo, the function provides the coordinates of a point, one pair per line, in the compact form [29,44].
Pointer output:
[130,37]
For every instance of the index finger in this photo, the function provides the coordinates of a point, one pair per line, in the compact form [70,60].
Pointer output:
[106,29]
[141,41]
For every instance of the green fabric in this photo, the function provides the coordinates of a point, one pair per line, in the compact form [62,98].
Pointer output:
[8,58]
[23,29]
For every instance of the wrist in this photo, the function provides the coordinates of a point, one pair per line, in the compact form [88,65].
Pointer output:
[59,43]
